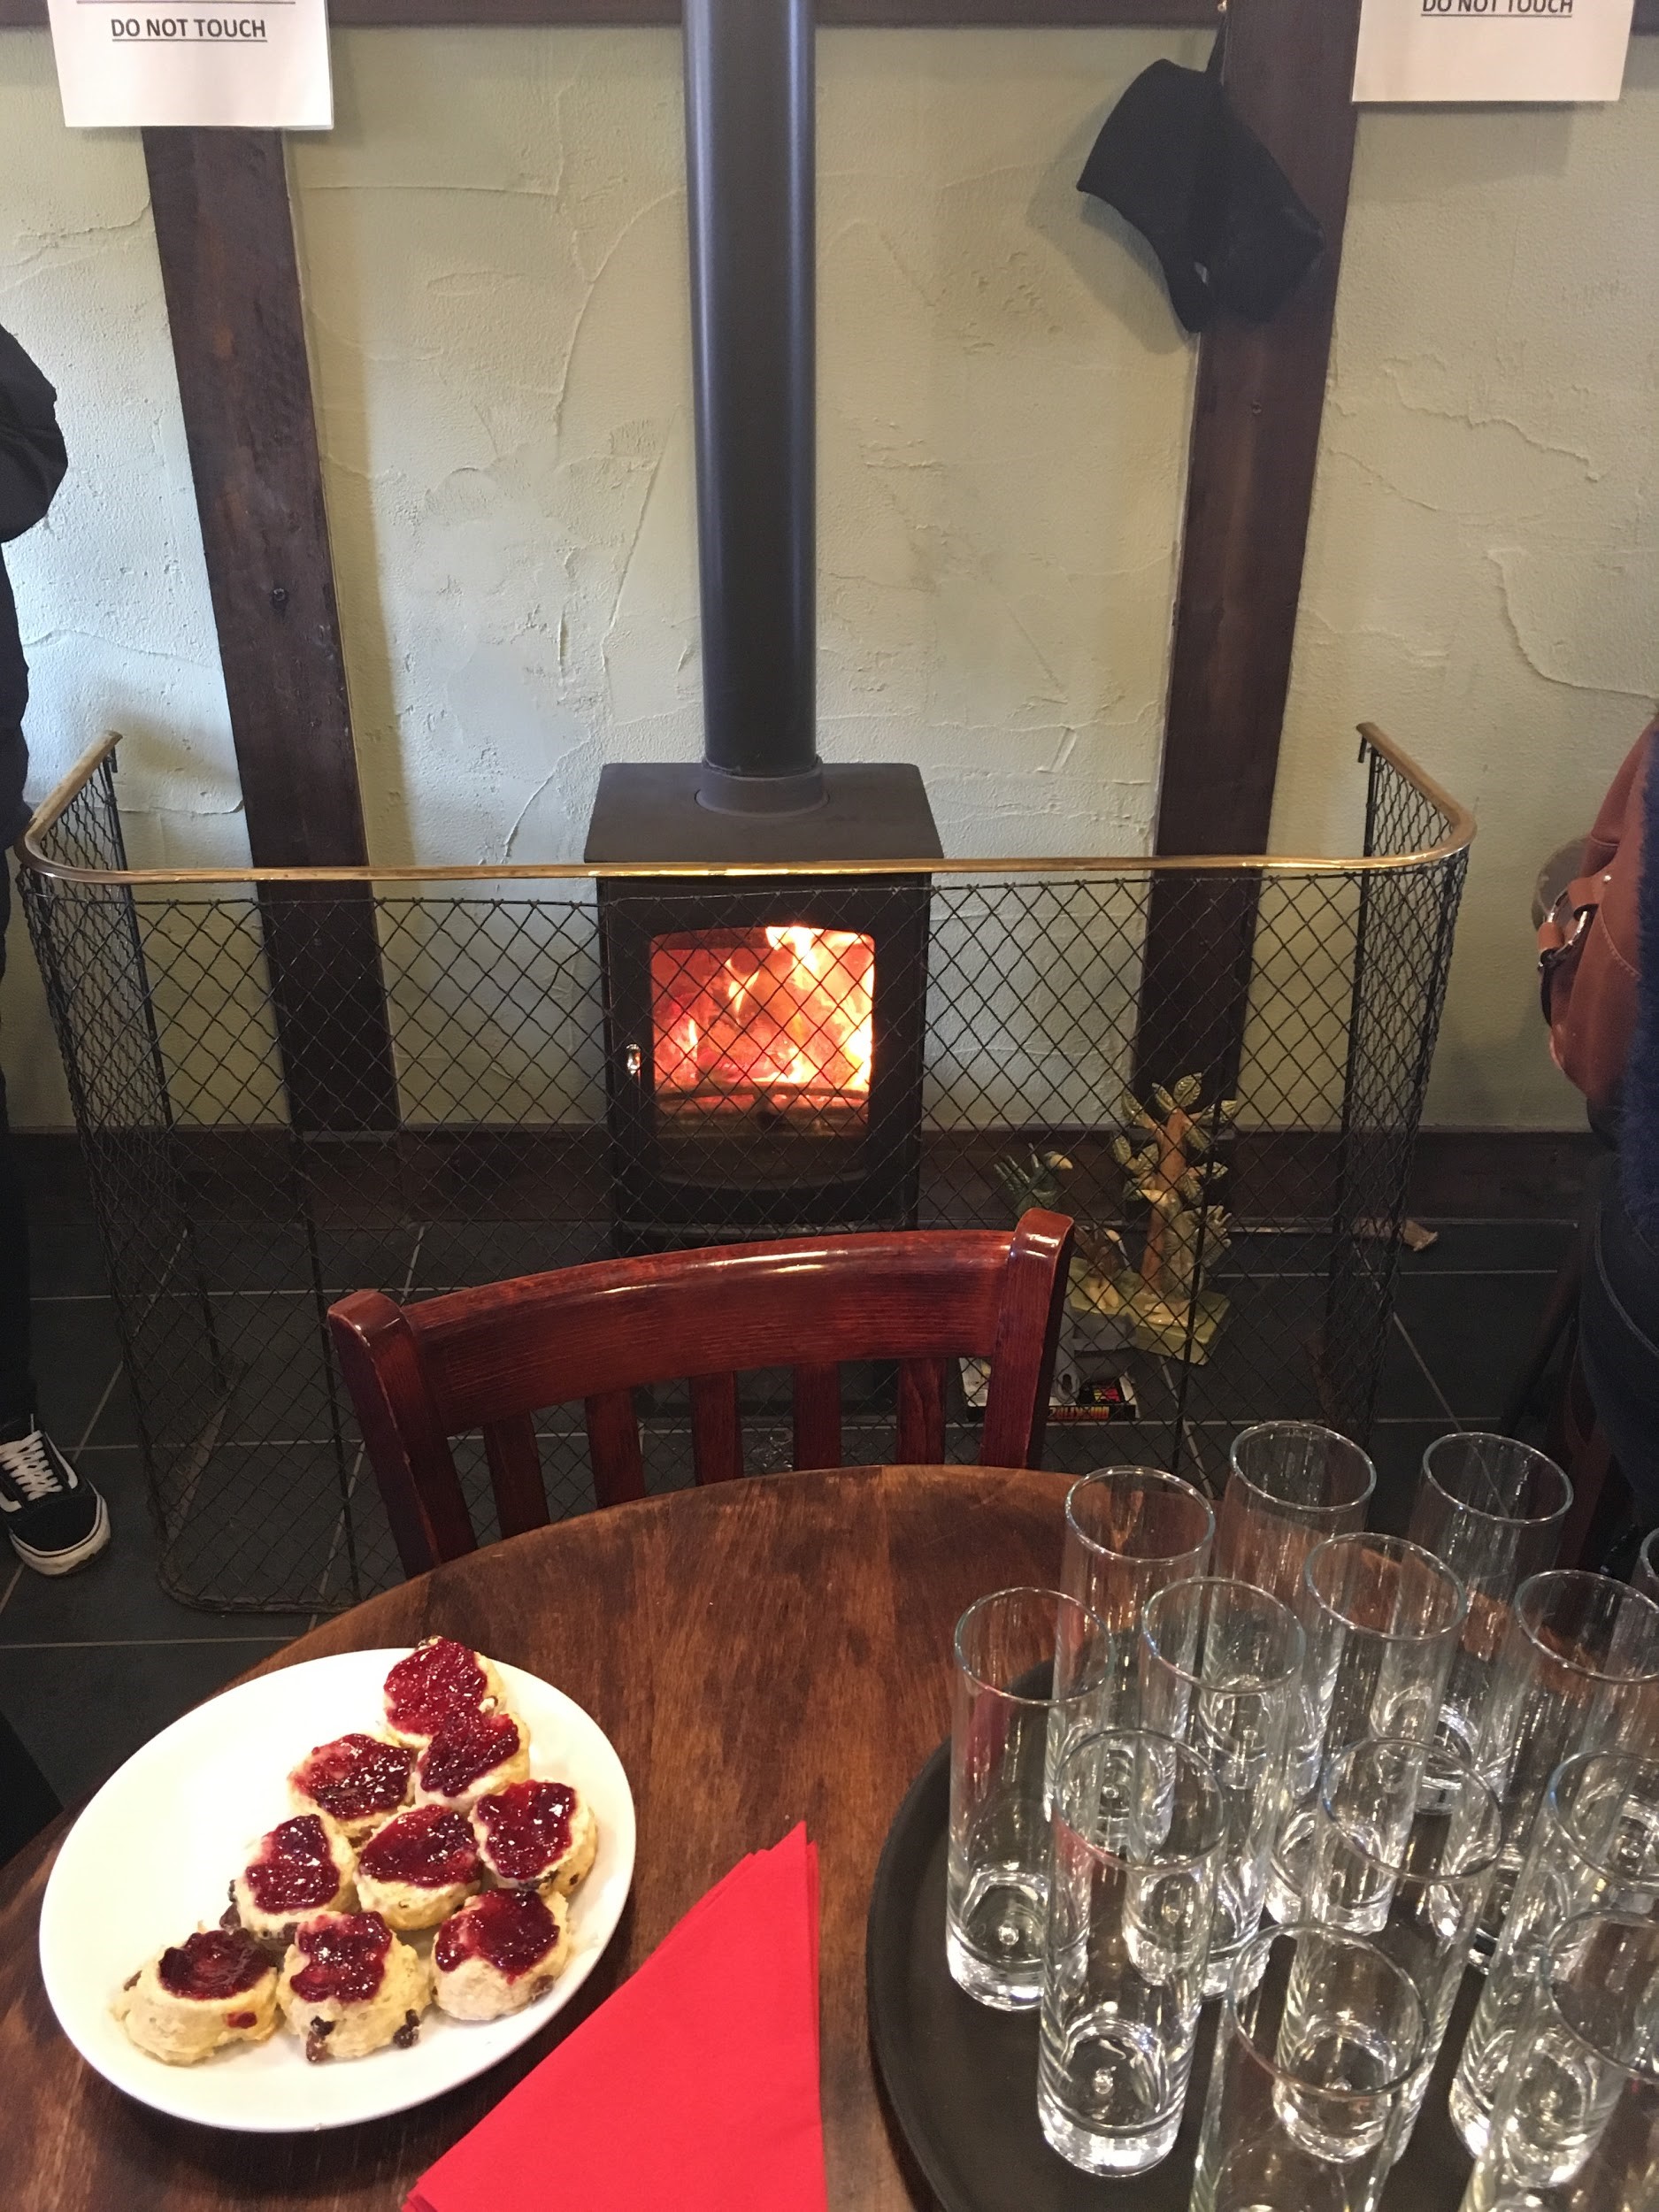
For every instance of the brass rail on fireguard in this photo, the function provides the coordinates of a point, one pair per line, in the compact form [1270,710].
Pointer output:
[1457,836]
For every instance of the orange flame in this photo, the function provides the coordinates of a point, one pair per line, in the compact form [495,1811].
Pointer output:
[780,1016]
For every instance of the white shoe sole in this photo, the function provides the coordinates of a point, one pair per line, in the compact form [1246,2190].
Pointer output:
[64,1562]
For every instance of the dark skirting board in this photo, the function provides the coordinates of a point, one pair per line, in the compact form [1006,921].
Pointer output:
[961,2079]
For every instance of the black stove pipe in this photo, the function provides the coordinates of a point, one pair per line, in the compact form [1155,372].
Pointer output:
[750,162]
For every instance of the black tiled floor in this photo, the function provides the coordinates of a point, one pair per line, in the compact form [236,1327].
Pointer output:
[92,1665]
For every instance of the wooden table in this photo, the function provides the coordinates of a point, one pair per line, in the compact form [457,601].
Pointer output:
[759,1653]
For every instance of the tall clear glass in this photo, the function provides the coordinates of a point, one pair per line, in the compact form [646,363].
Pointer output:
[1576,2127]
[1221,1670]
[1404,1844]
[1137,1837]
[1318,2036]
[1290,1484]
[1029,1668]
[1382,1619]
[1493,1510]
[1594,1848]
[1579,1671]
[1129,1531]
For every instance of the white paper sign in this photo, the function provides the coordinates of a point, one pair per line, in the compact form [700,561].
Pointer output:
[260,64]
[1492,49]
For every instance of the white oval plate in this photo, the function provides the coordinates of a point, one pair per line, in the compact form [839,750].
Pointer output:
[153,1855]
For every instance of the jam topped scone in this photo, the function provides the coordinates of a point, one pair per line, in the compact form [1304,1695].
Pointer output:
[358,1781]
[216,1987]
[440,1680]
[536,1835]
[499,1954]
[418,1867]
[305,1865]
[470,1755]
[349,1986]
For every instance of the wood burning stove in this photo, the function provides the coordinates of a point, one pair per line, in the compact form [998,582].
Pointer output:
[764,1033]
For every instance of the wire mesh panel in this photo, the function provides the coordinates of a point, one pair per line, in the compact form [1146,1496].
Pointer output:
[1218,1071]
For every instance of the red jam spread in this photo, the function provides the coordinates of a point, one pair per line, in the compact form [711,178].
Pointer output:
[356,1776]
[212,1965]
[527,1828]
[511,1930]
[428,1848]
[241,2019]
[435,1681]
[465,1749]
[346,1955]
[296,1870]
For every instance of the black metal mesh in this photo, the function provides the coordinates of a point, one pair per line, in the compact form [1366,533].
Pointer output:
[256,1149]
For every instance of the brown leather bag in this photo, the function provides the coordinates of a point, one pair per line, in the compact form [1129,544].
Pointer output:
[1588,944]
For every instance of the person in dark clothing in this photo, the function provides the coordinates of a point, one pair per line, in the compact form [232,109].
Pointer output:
[55,1521]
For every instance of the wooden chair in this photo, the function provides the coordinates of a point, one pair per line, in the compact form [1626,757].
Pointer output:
[492,1358]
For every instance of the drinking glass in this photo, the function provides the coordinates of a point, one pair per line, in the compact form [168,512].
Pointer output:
[1646,1577]
[1028,1675]
[1579,1671]
[1492,1510]
[1594,1848]
[1128,1531]
[1220,1669]
[1137,1835]
[1404,1843]
[1576,2126]
[1318,2036]
[1382,1619]
[1290,1484]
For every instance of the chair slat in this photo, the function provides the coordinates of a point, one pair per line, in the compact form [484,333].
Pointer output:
[614,1445]
[921,1412]
[717,1436]
[1027,1339]
[515,1474]
[818,1415]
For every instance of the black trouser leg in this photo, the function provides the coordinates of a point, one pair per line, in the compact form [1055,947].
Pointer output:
[17,1380]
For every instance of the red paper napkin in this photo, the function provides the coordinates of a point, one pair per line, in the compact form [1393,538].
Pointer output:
[694,2086]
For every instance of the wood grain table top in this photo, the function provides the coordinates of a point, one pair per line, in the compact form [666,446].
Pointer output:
[760,1652]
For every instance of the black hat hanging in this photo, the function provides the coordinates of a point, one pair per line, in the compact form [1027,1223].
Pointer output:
[1175,160]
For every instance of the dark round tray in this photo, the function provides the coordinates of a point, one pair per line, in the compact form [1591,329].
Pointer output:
[962,2079]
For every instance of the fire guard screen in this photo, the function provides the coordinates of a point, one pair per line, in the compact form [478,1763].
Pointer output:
[293,1083]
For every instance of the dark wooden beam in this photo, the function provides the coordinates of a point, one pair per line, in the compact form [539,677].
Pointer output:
[1257,418]
[226,240]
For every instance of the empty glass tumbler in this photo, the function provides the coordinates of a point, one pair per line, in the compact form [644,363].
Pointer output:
[1579,1671]
[1221,1671]
[1137,1835]
[1576,2126]
[1594,1848]
[1405,1839]
[1028,1674]
[1290,1484]
[1130,1531]
[1382,1618]
[1492,1510]
[1318,2036]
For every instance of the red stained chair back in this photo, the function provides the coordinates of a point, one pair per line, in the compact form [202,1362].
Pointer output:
[493,1358]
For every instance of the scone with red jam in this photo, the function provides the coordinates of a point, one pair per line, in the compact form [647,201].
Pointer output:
[359,1781]
[440,1680]
[305,1865]
[470,1755]
[349,1986]
[216,1987]
[500,1953]
[536,1835]
[418,1869]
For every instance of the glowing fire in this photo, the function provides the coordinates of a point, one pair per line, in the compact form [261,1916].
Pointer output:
[779,1018]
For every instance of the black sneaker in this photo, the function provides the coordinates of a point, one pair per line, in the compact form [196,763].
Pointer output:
[55,1521]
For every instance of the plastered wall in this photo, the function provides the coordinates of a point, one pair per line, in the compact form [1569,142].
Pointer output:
[492,245]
